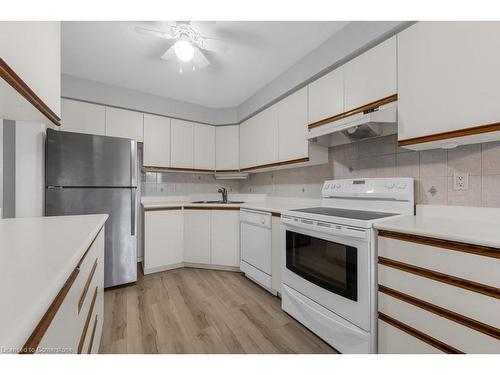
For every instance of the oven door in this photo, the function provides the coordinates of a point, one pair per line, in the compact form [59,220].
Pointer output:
[332,270]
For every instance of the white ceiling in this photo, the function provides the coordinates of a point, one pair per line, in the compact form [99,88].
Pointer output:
[258,52]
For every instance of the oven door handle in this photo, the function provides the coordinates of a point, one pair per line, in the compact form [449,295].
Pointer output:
[337,230]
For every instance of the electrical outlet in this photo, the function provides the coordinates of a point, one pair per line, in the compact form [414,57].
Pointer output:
[460,181]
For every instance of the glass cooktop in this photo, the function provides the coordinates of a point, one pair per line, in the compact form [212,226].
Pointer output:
[348,214]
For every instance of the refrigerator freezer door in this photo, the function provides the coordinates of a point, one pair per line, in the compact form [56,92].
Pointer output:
[120,263]
[84,160]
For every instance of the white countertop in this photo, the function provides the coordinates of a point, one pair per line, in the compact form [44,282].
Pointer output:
[37,255]
[269,204]
[473,225]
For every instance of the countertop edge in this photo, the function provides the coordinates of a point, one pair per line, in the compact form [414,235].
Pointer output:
[43,303]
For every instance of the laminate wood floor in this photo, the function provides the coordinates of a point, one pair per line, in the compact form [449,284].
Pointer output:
[191,310]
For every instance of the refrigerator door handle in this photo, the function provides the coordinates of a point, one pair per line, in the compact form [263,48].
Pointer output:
[132,212]
[133,163]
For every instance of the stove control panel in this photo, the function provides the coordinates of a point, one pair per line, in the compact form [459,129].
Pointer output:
[397,188]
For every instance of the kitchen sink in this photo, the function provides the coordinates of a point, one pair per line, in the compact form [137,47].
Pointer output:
[219,202]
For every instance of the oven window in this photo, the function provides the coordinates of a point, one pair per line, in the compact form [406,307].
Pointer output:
[330,265]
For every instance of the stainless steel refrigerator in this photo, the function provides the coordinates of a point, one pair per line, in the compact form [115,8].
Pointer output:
[92,174]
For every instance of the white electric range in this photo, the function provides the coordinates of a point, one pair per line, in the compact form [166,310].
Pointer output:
[330,259]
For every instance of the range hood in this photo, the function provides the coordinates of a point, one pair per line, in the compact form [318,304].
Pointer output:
[377,122]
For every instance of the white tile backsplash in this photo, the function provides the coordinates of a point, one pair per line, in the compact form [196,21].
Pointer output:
[379,157]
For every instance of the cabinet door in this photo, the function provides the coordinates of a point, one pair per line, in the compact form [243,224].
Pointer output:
[197,236]
[227,147]
[204,146]
[326,96]
[226,238]
[292,119]
[156,141]
[123,123]
[81,117]
[181,144]
[163,239]
[277,252]
[371,76]
[265,141]
[248,134]
[448,77]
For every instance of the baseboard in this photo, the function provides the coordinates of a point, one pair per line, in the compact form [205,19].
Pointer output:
[212,267]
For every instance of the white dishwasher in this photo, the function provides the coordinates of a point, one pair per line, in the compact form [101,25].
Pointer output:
[255,237]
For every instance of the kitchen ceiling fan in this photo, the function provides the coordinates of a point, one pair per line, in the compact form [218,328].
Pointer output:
[190,45]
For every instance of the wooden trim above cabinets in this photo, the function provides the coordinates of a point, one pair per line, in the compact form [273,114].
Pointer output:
[366,107]
[419,335]
[151,168]
[444,244]
[488,128]
[227,170]
[445,313]
[9,76]
[458,282]
[34,340]
[163,208]
[277,164]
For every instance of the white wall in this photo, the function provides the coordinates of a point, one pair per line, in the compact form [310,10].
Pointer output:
[33,51]
[96,92]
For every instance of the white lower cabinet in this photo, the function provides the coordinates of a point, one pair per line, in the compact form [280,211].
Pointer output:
[197,236]
[277,251]
[163,239]
[225,238]
[428,296]
[77,324]
[177,237]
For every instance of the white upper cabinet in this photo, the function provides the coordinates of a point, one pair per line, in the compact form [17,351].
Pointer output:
[197,236]
[33,51]
[81,117]
[265,141]
[448,80]
[292,120]
[227,147]
[248,138]
[204,146]
[181,144]
[371,76]
[326,96]
[124,123]
[156,141]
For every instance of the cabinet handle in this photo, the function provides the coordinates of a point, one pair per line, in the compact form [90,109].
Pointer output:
[81,301]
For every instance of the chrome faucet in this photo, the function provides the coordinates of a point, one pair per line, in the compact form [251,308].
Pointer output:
[223,191]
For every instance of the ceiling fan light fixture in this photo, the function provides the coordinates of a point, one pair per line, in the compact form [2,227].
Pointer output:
[184,50]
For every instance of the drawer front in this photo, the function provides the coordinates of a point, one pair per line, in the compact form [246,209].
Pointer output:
[457,336]
[65,330]
[477,268]
[474,305]
[392,340]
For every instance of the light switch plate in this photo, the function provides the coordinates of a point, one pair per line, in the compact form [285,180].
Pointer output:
[460,181]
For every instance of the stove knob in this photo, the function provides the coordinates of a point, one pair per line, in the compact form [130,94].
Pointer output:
[389,185]
[337,186]
[401,185]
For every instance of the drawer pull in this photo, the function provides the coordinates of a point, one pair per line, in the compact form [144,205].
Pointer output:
[86,287]
[89,350]
[87,322]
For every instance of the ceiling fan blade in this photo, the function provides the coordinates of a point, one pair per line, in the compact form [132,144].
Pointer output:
[158,34]
[202,27]
[213,45]
[169,55]
[199,59]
